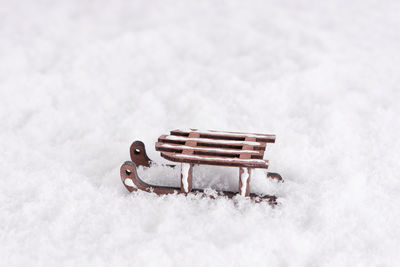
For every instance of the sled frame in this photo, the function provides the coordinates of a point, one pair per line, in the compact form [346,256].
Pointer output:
[204,147]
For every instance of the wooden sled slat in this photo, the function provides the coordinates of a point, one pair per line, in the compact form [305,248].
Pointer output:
[268,138]
[211,142]
[215,160]
[215,148]
[169,147]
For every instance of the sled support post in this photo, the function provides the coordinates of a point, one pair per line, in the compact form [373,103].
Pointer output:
[186,177]
[244,181]
[244,173]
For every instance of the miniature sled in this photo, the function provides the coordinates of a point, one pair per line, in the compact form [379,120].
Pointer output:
[195,147]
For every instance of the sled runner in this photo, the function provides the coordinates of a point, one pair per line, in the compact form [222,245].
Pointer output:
[196,147]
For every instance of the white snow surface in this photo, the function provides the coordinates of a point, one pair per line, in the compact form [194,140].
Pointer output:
[129,182]
[81,80]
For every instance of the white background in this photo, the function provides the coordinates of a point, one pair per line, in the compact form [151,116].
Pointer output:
[81,80]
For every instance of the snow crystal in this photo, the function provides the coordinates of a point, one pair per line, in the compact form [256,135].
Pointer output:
[129,182]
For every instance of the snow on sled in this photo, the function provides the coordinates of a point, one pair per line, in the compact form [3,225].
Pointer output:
[196,147]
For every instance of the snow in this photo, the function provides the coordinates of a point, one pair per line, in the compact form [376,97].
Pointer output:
[81,80]
[129,182]
[185,176]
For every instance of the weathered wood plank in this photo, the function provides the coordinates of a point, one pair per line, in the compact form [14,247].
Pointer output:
[267,138]
[215,160]
[213,142]
[255,154]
